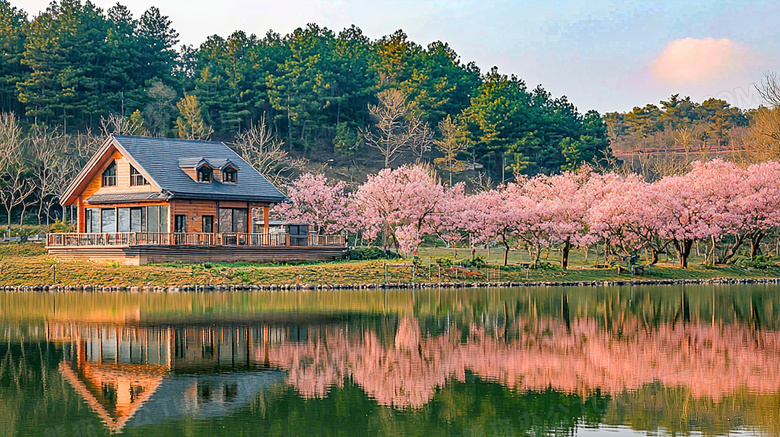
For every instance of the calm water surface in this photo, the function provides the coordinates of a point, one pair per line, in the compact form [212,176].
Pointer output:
[701,360]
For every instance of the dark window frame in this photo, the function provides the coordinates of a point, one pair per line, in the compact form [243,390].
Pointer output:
[109,175]
[136,178]
[180,223]
[230,175]
[205,174]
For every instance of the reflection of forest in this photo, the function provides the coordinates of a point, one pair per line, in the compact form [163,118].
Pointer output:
[578,357]
[701,361]
[709,361]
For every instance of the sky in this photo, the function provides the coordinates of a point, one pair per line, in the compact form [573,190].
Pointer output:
[608,56]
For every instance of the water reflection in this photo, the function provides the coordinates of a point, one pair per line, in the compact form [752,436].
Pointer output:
[546,361]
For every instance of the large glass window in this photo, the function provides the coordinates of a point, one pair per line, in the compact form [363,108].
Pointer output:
[164,219]
[225,220]
[92,220]
[239,220]
[109,175]
[153,214]
[120,219]
[123,219]
[233,220]
[137,219]
[107,220]
[157,218]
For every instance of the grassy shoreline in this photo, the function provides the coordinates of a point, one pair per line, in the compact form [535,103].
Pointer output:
[29,265]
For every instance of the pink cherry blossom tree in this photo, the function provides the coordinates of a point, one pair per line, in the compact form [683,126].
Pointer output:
[561,203]
[450,225]
[492,216]
[758,205]
[313,200]
[407,196]
[697,205]
[621,213]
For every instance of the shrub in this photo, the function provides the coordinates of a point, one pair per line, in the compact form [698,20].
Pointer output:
[761,262]
[445,262]
[370,253]
[59,227]
[477,263]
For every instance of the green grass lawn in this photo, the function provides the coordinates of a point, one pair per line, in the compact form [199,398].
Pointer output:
[28,264]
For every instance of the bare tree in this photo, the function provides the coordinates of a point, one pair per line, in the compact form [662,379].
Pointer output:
[761,141]
[263,151]
[83,146]
[396,128]
[769,89]
[481,182]
[15,186]
[115,124]
[54,168]
[453,141]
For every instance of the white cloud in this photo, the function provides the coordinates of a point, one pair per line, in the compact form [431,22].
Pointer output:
[700,61]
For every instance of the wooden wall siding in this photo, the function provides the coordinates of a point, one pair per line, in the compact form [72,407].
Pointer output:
[95,186]
[122,180]
[142,255]
[191,172]
[234,204]
[194,208]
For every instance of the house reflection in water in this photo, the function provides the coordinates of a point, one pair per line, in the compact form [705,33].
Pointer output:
[133,376]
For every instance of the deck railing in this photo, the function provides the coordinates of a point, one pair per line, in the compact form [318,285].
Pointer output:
[190,239]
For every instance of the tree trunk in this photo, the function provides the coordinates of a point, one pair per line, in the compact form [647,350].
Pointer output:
[755,244]
[732,250]
[711,255]
[652,258]
[683,249]
[506,252]
[40,213]
[565,254]
[537,253]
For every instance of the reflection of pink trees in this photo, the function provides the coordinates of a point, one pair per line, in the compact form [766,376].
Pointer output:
[711,361]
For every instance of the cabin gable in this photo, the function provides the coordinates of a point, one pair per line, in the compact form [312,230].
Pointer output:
[123,182]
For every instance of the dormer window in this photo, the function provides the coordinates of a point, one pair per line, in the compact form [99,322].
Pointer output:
[109,175]
[205,174]
[229,175]
[136,178]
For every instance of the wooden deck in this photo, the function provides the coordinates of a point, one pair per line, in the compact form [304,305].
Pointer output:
[141,248]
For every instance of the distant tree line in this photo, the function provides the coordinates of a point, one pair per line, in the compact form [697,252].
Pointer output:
[313,100]
[75,63]
[659,140]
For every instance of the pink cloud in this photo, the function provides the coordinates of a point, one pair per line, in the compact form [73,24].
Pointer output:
[700,61]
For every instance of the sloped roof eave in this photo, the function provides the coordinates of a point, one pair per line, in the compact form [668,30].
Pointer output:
[226,197]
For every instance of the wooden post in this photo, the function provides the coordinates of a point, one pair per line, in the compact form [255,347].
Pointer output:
[266,237]
[216,223]
[81,224]
[248,218]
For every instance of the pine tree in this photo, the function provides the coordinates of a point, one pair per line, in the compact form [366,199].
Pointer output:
[190,124]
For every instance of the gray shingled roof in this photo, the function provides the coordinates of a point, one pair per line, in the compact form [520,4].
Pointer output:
[160,159]
[100,199]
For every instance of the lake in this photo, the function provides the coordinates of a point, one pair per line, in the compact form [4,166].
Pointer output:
[701,360]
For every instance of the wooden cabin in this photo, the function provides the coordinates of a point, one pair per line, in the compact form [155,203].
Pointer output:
[143,200]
